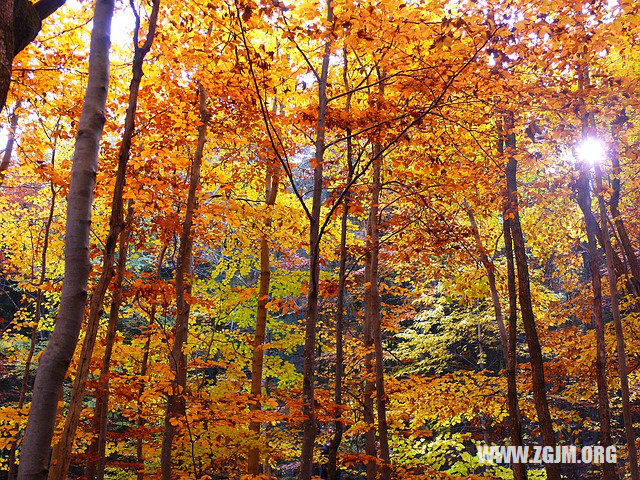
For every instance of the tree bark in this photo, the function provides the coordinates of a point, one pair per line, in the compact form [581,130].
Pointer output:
[374,293]
[583,191]
[143,372]
[309,426]
[271,187]
[338,426]
[491,276]
[55,360]
[369,375]
[139,420]
[176,402]
[524,291]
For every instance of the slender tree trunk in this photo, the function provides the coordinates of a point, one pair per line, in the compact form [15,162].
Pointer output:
[491,276]
[61,456]
[620,341]
[507,340]
[338,427]
[36,320]
[374,293]
[96,451]
[376,320]
[143,373]
[62,451]
[176,402]
[515,426]
[309,426]
[139,420]
[271,187]
[55,360]
[524,291]
[591,226]
[584,200]
[369,374]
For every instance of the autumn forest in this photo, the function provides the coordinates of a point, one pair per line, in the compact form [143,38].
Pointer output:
[338,239]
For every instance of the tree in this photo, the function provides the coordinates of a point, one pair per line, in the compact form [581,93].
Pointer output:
[524,295]
[271,191]
[176,401]
[55,360]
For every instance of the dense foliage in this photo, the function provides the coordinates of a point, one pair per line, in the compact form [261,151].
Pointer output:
[326,238]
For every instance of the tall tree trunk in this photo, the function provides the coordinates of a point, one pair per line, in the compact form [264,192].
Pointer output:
[515,426]
[584,200]
[143,372]
[176,402]
[338,426]
[62,451]
[96,451]
[309,426]
[271,191]
[620,341]
[369,375]
[524,291]
[376,320]
[583,188]
[139,420]
[55,360]
[507,340]
[36,320]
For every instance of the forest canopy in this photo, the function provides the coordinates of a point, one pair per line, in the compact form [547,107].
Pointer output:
[342,239]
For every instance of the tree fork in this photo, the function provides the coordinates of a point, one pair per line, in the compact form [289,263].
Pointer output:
[515,425]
